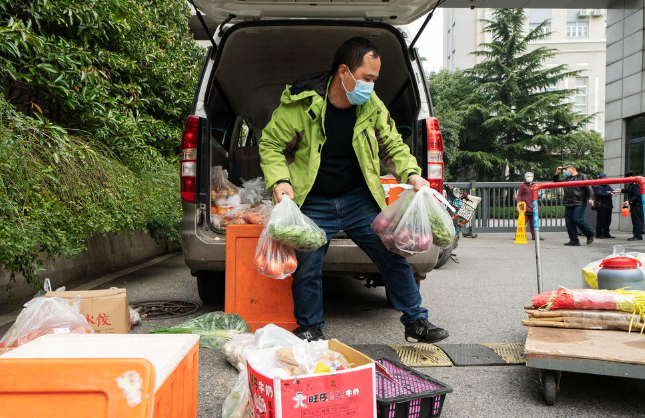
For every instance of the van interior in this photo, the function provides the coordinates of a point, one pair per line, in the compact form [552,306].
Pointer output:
[256,61]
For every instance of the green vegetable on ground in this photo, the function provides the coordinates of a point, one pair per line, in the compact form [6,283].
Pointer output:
[214,328]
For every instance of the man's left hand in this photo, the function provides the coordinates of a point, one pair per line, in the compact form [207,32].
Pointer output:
[591,202]
[418,182]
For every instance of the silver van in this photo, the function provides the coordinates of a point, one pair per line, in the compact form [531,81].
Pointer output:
[258,47]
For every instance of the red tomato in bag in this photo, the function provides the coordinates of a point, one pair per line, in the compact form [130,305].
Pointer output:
[274,268]
[290,264]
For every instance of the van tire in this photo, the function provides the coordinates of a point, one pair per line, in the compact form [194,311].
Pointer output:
[211,286]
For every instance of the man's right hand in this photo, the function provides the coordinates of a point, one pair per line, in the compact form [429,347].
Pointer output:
[558,170]
[280,189]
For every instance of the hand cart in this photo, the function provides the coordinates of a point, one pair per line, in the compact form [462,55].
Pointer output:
[554,350]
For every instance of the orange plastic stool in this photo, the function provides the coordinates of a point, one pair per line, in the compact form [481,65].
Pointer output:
[258,299]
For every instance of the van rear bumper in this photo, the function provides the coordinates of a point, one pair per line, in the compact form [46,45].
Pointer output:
[343,256]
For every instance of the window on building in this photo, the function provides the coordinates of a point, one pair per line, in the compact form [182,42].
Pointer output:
[577,23]
[537,16]
[580,98]
[636,145]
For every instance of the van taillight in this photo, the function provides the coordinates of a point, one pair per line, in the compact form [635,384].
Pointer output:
[435,154]
[188,173]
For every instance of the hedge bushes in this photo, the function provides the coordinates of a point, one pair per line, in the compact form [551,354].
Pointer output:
[94,96]
[57,189]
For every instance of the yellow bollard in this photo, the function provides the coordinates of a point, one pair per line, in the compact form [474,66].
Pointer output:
[520,235]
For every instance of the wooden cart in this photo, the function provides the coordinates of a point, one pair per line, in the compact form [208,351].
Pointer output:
[609,353]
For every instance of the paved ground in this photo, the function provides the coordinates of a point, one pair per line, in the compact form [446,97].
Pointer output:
[479,300]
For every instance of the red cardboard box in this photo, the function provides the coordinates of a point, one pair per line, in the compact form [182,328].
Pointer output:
[347,393]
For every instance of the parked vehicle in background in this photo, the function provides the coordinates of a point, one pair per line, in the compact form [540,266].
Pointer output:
[260,48]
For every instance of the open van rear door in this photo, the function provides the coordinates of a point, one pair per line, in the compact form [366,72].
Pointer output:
[394,12]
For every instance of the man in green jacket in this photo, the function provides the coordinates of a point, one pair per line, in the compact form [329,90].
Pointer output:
[322,148]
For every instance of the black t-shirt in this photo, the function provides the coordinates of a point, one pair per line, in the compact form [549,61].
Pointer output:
[339,170]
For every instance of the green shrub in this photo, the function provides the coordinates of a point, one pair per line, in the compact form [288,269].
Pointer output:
[57,189]
[93,97]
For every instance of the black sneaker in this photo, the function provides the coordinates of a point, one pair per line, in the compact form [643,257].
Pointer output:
[634,239]
[312,333]
[572,243]
[589,239]
[422,331]
[609,236]
[600,237]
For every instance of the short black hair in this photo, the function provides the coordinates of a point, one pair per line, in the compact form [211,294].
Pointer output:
[352,52]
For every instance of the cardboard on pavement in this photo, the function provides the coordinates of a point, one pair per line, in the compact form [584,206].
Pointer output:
[106,310]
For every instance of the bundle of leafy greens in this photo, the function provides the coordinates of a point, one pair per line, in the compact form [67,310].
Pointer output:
[214,328]
[441,235]
[299,237]
[292,228]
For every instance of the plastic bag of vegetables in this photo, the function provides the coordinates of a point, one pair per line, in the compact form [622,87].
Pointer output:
[443,229]
[232,350]
[214,328]
[404,226]
[274,259]
[43,316]
[236,404]
[292,228]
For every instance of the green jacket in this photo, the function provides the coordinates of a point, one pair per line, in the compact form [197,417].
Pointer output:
[292,141]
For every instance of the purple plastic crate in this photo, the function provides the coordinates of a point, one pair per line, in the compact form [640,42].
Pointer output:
[414,396]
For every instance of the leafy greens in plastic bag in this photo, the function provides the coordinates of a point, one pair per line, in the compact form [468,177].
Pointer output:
[292,228]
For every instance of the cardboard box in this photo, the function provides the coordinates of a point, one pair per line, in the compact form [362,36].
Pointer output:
[346,393]
[105,310]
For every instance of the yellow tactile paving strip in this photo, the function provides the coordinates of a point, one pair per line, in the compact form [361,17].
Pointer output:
[429,355]
[421,355]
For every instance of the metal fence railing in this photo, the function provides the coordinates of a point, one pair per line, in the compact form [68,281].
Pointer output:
[497,212]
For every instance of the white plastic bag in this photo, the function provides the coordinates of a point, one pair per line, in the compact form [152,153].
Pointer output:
[236,404]
[233,349]
[272,336]
[292,228]
[43,316]
[415,221]
[404,226]
[274,259]
[261,355]
[253,191]
[443,229]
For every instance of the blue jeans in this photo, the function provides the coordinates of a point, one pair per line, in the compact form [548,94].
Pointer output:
[352,212]
[574,216]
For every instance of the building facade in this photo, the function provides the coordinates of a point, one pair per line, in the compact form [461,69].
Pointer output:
[625,108]
[578,35]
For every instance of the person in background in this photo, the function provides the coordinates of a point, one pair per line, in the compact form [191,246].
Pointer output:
[604,204]
[575,202]
[635,202]
[524,195]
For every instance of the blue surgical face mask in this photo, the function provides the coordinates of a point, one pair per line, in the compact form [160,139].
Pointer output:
[567,174]
[361,93]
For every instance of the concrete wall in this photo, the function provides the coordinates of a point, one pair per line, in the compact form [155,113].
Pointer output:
[625,83]
[103,255]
